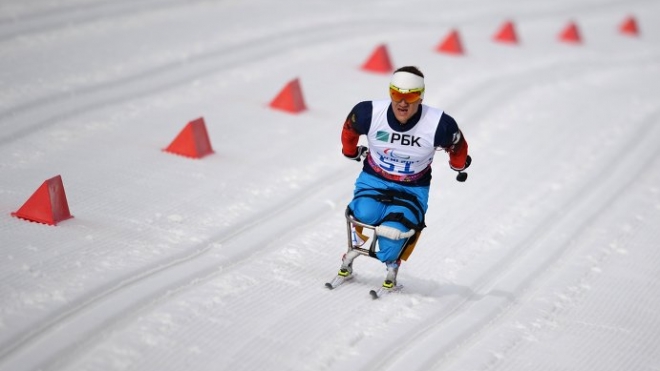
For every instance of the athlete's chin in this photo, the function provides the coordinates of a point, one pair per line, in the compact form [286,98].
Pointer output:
[401,116]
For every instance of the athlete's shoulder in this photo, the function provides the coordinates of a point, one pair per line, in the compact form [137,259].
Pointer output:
[447,131]
[448,122]
[364,106]
[362,111]
[360,116]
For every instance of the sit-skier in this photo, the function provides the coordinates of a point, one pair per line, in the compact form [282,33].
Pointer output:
[392,191]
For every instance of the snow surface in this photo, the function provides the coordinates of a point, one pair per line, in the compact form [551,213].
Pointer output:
[547,258]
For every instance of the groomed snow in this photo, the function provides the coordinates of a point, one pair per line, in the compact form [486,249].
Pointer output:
[547,257]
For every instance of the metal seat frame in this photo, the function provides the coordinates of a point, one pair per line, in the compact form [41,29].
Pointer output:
[370,250]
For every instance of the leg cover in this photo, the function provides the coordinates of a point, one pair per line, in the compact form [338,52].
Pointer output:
[410,246]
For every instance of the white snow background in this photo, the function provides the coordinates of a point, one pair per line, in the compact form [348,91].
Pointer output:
[547,258]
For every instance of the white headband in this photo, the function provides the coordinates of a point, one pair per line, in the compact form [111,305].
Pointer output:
[405,81]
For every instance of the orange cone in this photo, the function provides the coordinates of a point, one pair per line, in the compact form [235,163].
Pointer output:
[379,61]
[290,98]
[571,34]
[507,34]
[193,141]
[629,27]
[47,204]
[451,44]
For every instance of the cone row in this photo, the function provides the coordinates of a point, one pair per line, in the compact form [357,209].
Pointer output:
[290,98]
[48,204]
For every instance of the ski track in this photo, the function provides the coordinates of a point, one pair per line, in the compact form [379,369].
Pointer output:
[505,284]
[462,316]
[452,313]
[37,21]
[165,277]
[50,110]
[58,338]
[571,292]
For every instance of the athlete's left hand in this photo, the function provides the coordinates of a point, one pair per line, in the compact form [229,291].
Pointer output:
[462,176]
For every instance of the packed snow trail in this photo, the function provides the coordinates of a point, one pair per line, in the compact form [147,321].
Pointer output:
[219,263]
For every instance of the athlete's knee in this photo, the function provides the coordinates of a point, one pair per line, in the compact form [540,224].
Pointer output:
[366,211]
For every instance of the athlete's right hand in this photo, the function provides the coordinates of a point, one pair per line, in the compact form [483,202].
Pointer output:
[361,152]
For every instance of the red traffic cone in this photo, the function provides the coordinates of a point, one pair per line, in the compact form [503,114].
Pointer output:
[47,204]
[451,44]
[571,34]
[506,34]
[290,98]
[192,141]
[629,27]
[379,61]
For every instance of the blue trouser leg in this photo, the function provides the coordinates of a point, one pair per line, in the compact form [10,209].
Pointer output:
[371,211]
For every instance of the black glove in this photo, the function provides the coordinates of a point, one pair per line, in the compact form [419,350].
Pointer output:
[461,177]
[361,152]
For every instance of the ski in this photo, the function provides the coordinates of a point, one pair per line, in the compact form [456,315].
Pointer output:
[382,291]
[338,281]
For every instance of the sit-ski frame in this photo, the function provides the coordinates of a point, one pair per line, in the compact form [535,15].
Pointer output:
[380,230]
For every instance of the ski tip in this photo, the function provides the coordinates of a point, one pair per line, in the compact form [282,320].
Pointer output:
[329,286]
[374,294]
